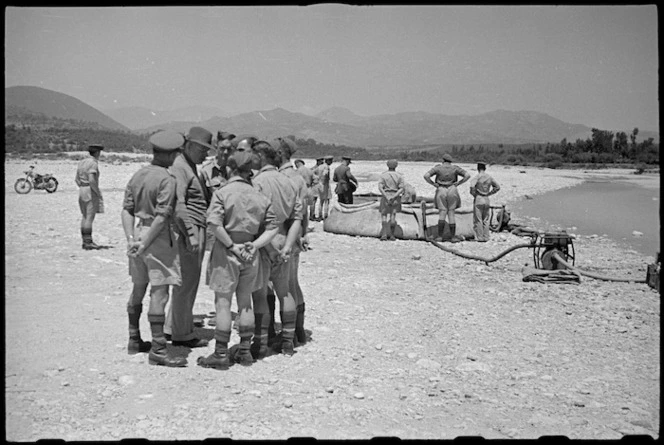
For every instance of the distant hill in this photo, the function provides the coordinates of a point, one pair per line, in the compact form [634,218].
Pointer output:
[36,101]
[402,130]
[140,117]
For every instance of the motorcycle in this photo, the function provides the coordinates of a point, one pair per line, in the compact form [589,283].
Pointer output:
[36,181]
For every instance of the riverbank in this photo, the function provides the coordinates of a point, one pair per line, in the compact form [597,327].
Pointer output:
[407,340]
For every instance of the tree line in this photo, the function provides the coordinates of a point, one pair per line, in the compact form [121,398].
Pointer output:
[52,135]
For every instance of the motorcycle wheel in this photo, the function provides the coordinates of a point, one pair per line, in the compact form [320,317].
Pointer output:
[51,185]
[22,186]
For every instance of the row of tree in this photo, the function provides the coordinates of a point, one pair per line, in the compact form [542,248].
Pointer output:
[603,147]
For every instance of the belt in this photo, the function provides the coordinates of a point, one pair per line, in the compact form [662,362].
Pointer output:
[241,237]
[445,186]
[145,221]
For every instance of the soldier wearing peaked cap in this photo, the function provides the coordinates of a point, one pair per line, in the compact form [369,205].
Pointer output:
[447,198]
[481,187]
[147,212]
[237,214]
[346,182]
[190,212]
[90,200]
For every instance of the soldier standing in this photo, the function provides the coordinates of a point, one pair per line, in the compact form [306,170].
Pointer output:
[90,200]
[153,256]
[481,187]
[391,186]
[346,182]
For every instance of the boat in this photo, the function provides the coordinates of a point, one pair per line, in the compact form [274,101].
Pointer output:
[416,220]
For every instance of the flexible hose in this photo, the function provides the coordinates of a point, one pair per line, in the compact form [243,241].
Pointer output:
[478,258]
[592,275]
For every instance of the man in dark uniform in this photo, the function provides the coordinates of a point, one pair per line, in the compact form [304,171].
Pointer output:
[346,182]
[153,256]
[90,200]
[190,221]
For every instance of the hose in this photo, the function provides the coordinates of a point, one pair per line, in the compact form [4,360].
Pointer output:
[592,275]
[478,258]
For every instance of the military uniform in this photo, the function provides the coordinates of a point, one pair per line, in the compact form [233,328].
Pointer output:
[346,183]
[447,198]
[90,200]
[392,186]
[283,196]
[242,211]
[153,255]
[481,187]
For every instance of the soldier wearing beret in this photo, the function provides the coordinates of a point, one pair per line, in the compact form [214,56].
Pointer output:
[90,200]
[286,147]
[391,186]
[237,214]
[346,182]
[481,187]
[447,198]
[147,212]
[274,257]
[190,212]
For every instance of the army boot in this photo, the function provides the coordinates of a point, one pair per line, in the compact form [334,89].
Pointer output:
[220,358]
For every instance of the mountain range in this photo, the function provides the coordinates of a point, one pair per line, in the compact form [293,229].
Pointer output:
[335,125]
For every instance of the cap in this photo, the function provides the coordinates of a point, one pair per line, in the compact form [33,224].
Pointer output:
[298,160]
[166,140]
[95,147]
[200,136]
[392,163]
[329,158]
[285,145]
[221,135]
[346,158]
[482,162]
[447,158]
[320,159]
[241,160]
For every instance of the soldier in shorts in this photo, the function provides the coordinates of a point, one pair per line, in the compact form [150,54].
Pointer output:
[391,186]
[447,198]
[315,189]
[153,253]
[274,256]
[237,213]
[90,200]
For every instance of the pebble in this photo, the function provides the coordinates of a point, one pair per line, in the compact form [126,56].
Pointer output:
[254,392]
[546,377]
[379,347]
[359,395]
[126,380]
[412,355]
[329,389]
[288,404]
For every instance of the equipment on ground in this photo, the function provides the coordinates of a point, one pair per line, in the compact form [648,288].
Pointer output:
[551,243]
[32,180]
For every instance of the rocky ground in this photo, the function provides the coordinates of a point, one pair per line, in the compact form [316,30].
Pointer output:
[407,341]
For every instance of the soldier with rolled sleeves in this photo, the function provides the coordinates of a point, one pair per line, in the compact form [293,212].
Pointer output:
[346,182]
[315,189]
[481,187]
[286,147]
[447,198]
[391,186]
[190,213]
[237,214]
[274,257]
[324,193]
[90,200]
[153,255]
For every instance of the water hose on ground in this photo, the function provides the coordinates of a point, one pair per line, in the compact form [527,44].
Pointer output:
[593,275]
[478,258]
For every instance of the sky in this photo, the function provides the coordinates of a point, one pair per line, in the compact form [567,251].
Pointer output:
[590,65]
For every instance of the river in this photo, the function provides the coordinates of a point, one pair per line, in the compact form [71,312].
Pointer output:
[614,208]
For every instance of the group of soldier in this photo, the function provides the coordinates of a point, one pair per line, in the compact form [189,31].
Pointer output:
[250,207]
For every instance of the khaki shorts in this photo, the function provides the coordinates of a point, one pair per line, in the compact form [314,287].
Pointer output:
[88,202]
[159,265]
[447,198]
[270,268]
[387,208]
[226,273]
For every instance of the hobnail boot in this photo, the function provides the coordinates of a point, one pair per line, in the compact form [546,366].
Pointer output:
[137,345]
[163,359]
[215,361]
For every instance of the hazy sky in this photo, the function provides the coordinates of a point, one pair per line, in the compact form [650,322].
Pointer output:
[593,65]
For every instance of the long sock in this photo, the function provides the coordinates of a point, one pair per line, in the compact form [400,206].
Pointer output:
[134,315]
[261,324]
[385,232]
[299,324]
[157,328]
[221,339]
[452,230]
[246,332]
[441,228]
[393,227]
[271,333]
[288,325]
[86,234]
